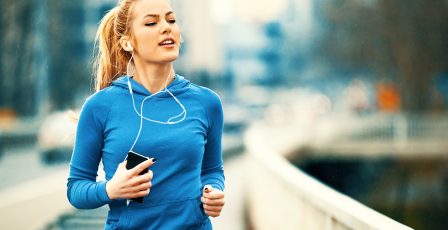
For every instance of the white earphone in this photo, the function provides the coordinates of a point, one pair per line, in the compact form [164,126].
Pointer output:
[169,121]
[131,49]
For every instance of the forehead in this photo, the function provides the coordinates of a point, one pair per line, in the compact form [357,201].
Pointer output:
[156,7]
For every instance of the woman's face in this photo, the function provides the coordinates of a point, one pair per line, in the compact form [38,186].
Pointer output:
[156,35]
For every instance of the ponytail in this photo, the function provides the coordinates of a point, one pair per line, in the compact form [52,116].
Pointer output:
[111,59]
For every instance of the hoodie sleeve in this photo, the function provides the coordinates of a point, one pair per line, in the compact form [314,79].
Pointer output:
[83,191]
[212,166]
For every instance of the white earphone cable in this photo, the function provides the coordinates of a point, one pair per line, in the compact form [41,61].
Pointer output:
[169,121]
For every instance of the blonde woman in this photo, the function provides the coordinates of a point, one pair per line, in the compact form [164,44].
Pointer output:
[142,106]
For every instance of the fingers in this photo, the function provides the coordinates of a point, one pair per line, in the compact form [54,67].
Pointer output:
[136,180]
[212,200]
[129,183]
[142,193]
[141,190]
[212,211]
[142,166]
[137,193]
[215,194]
[211,208]
[140,187]
[213,214]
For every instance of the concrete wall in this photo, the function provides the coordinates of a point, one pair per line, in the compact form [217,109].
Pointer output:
[280,196]
[34,204]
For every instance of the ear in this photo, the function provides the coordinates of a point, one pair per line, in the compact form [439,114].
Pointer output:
[126,44]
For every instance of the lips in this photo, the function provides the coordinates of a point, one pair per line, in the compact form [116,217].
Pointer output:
[167,42]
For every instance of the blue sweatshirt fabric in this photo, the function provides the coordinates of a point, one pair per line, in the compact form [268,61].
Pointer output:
[189,153]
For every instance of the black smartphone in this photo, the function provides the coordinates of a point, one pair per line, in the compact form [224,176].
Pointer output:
[133,159]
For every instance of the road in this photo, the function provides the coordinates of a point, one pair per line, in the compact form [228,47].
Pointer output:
[22,164]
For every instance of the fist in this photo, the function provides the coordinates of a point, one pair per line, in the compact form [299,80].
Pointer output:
[212,200]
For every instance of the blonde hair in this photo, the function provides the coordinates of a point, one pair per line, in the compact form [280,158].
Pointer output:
[111,59]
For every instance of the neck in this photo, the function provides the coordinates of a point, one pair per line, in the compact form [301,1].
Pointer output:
[154,76]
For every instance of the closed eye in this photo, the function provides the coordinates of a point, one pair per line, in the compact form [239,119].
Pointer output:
[150,24]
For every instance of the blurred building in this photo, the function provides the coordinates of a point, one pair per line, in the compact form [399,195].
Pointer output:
[17,77]
[202,49]
[47,48]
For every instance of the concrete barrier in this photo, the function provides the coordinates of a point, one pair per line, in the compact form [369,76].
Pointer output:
[33,204]
[281,196]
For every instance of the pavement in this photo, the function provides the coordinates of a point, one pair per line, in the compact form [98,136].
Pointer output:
[67,218]
[232,216]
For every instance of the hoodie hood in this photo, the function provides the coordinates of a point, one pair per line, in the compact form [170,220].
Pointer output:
[178,86]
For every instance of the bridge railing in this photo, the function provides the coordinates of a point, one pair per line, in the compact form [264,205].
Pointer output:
[397,127]
[282,196]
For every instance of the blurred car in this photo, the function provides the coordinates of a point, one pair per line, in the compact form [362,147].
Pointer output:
[56,137]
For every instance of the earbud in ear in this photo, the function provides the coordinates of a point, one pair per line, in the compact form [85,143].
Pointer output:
[128,43]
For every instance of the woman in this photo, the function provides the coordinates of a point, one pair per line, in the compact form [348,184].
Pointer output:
[142,106]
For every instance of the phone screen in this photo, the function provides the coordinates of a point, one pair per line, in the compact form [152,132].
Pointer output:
[135,159]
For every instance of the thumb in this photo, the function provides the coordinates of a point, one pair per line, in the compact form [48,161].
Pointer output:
[207,188]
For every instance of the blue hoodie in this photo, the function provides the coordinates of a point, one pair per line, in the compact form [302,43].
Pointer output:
[188,153]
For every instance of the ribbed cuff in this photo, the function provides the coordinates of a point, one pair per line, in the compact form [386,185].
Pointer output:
[102,194]
[216,186]
[214,183]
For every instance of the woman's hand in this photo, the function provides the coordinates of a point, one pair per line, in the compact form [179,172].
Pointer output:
[212,201]
[128,184]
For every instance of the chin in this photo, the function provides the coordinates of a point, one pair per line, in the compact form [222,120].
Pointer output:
[170,58]
[164,57]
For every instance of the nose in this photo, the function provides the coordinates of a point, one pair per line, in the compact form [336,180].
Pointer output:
[166,28]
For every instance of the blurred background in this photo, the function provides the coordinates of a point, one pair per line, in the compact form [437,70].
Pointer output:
[355,91]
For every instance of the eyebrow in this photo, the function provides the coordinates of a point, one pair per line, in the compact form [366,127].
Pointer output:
[156,15]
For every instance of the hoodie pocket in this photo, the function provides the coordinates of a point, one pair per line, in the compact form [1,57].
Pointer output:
[183,214]
[198,210]
[116,220]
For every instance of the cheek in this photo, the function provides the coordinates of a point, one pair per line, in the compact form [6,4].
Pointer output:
[175,30]
[146,41]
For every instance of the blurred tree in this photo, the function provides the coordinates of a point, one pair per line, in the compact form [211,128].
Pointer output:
[68,60]
[16,81]
[404,40]
[70,70]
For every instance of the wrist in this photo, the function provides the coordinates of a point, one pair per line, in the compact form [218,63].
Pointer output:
[109,190]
